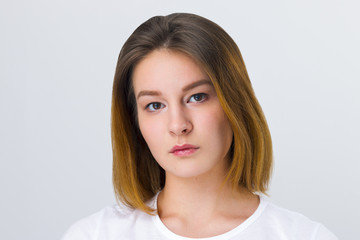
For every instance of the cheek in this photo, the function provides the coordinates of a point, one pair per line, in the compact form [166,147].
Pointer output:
[216,126]
[151,131]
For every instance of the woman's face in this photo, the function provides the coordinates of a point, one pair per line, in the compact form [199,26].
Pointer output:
[178,109]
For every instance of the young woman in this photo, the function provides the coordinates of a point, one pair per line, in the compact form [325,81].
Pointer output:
[191,148]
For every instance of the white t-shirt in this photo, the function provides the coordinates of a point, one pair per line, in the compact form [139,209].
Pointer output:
[268,222]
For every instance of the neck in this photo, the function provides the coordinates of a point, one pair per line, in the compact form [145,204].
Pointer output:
[201,197]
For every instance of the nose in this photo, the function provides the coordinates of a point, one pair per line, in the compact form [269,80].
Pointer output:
[179,123]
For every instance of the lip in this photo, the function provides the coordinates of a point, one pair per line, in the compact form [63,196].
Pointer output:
[184,150]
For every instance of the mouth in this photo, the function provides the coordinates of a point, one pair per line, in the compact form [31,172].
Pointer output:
[184,150]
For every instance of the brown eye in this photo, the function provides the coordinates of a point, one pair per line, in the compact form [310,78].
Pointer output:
[154,106]
[199,97]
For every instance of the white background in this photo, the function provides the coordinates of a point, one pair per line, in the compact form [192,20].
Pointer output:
[57,61]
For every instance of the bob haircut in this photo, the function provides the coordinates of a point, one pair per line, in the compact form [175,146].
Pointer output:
[136,175]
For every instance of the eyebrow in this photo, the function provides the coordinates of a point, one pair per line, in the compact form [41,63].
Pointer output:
[186,88]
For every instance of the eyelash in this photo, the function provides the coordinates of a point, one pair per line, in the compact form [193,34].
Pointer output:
[204,97]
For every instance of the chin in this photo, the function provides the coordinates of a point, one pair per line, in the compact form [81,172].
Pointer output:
[193,167]
[189,172]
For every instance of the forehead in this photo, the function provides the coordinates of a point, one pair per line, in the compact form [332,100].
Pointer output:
[164,69]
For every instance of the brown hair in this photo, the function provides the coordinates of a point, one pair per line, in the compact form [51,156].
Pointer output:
[136,175]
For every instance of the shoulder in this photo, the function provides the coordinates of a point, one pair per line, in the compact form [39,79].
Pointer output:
[89,228]
[293,224]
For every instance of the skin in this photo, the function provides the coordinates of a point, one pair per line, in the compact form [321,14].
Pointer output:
[168,115]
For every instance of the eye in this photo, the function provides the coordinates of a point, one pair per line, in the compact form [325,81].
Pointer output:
[199,97]
[152,107]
